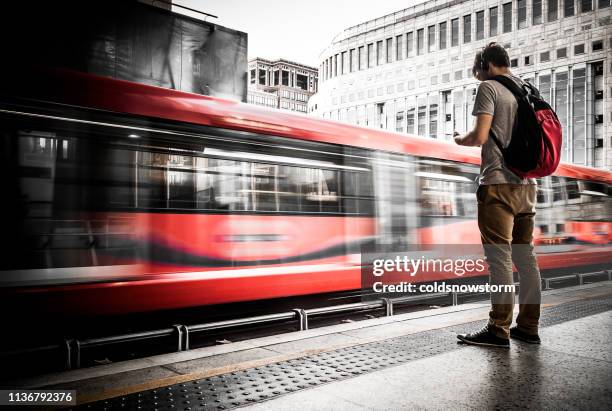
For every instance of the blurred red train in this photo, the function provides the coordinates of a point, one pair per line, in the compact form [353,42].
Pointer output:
[121,197]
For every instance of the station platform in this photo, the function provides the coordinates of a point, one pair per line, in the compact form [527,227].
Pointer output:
[406,361]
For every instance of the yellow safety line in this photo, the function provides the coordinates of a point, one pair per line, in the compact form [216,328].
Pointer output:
[167,381]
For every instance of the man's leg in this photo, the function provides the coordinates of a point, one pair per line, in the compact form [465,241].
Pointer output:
[496,221]
[530,294]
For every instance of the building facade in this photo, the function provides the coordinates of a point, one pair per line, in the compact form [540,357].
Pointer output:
[410,71]
[281,84]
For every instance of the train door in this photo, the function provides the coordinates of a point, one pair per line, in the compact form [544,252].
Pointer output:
[396,201]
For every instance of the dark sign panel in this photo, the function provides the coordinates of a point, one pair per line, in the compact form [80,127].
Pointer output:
[130,41]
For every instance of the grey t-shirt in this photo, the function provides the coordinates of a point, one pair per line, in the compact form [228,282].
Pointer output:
[493,98]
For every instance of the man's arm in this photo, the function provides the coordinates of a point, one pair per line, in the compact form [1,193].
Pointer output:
[479,135]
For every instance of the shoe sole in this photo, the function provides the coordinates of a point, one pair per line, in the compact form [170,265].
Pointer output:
[526,340]
[482,344]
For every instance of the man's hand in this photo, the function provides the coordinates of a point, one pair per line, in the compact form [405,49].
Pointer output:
[457,137]
[479,135]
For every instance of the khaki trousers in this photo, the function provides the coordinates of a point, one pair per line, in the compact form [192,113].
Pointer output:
[506,214]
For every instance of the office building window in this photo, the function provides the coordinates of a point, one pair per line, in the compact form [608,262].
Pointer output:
[335,65]
[454,32]
[552,10]
[433,120]
[561,102]
[409,44]
[527,60]
[545,56]
[301,81]
[442,35]
[597,45]
[284,78]
[431,38]
[604,3]
[421,121]
[389,50]
[480,25]
[467,28]
[420,41]
[544,87]
[379,52]
[579,49]
[507,8]
[410,120]
[399,47]
[345,62]
[586,5]
[536,12]
[579,115]
[521,17]
[514,63]
[458,75]
[253,74]
[371,59]
[493,21]
[568,8]
[562,53]
[352,61]
[399,122]
[362,57]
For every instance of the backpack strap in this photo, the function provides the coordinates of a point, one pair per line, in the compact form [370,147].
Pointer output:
[496,140]
[518,91]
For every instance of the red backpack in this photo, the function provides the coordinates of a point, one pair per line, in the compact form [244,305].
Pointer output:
[535,146]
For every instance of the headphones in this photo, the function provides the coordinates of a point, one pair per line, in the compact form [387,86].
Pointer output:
[484,65]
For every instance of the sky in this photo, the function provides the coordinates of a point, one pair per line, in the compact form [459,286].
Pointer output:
[290,29]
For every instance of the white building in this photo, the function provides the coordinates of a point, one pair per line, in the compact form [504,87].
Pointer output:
[410,71]
[281,84]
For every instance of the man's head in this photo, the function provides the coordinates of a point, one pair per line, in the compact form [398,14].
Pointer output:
[491,61]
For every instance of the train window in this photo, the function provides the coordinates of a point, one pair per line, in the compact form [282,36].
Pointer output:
[447,188]
[581,200]
[276,183]
[544,193]
[96,168]
[558,189]
[208,183]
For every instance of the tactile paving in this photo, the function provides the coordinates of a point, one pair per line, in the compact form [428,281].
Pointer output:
[240,388]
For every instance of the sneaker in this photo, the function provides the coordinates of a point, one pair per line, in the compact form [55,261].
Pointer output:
[517,333]
[484,337]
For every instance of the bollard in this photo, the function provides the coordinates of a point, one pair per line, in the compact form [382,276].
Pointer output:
[185,330]
[68,350]
[388,306]
[179,331]
[302,317]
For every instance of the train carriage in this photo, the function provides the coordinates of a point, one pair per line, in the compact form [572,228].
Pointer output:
[122,197]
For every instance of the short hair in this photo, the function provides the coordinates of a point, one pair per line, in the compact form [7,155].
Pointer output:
[494,54]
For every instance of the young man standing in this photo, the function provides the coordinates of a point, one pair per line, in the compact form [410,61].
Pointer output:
[506,208]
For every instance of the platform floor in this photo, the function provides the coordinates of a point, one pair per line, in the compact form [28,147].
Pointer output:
[409,361]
